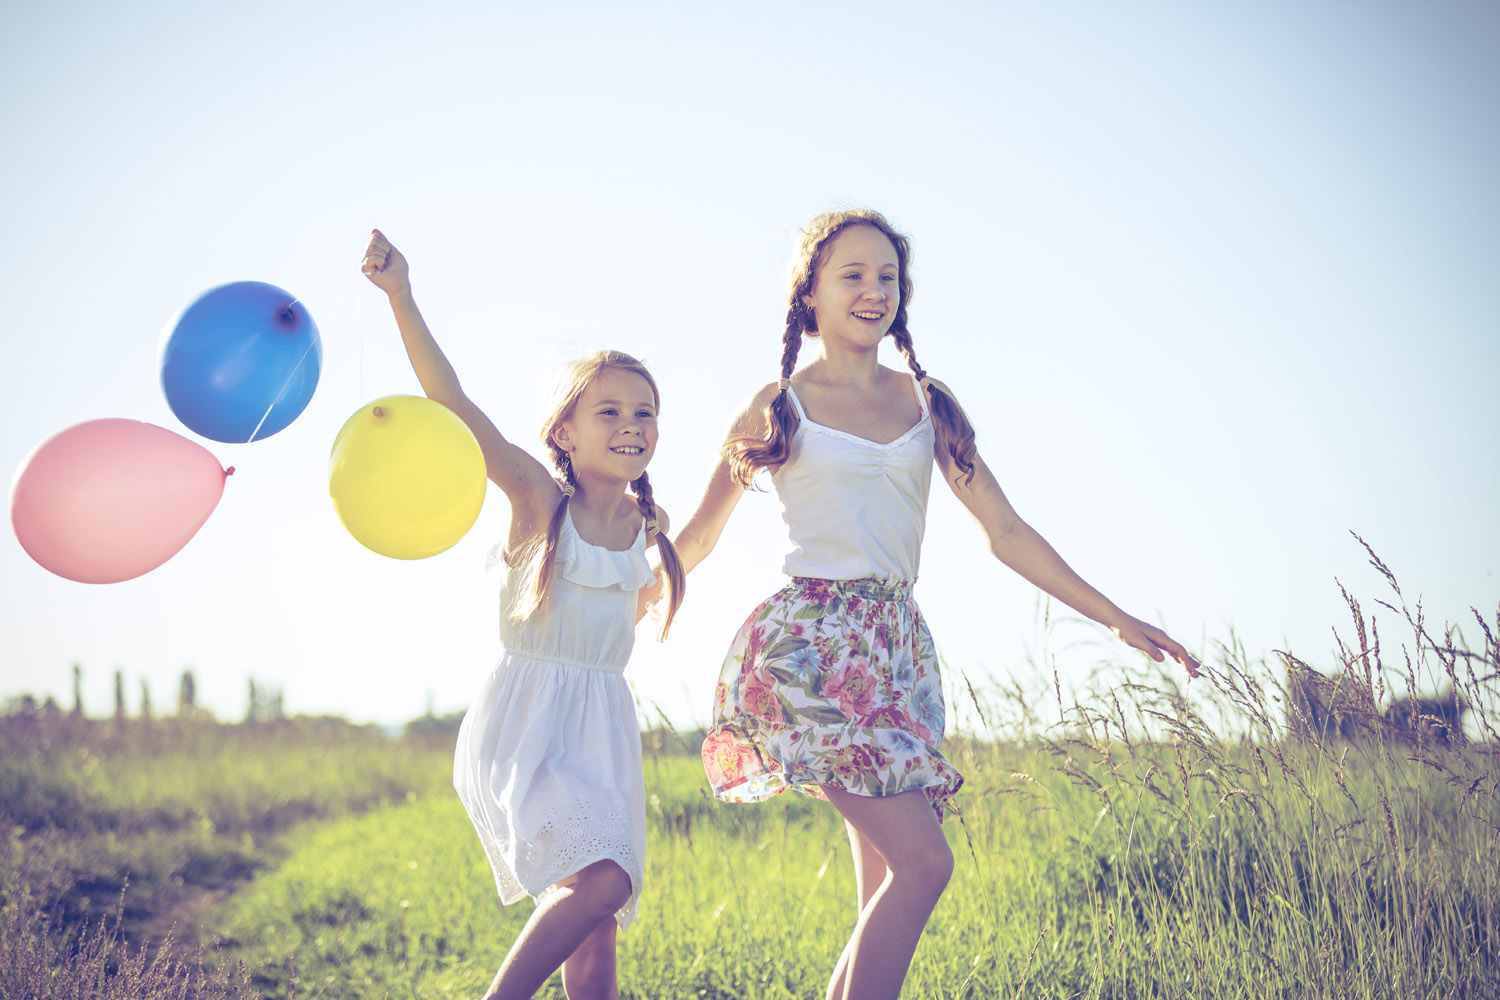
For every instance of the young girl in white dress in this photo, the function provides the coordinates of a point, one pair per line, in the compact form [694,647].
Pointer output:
[548,762]
[832,685]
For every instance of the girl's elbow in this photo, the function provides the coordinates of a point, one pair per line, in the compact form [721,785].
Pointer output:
[1004,540]
[694,546]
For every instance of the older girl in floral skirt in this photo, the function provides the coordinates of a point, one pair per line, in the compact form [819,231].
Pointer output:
[832,686]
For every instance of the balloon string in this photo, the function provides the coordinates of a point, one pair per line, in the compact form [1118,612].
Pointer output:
[295,368]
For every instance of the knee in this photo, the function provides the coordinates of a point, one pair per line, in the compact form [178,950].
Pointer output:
[927,871]
[940,867]
[605,885]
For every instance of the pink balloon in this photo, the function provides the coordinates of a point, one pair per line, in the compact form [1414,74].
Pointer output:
[108,500]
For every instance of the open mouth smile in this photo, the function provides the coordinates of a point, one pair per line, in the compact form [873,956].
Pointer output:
[873,317]
[627,449]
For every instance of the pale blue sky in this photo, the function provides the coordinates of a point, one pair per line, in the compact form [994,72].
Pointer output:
[1217,284]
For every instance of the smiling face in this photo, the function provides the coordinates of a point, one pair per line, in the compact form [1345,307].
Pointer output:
[856,288]
[611,431]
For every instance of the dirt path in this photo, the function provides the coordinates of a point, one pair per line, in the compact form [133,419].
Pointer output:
[180,926]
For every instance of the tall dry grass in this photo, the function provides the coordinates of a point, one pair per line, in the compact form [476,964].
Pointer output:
[1215,841]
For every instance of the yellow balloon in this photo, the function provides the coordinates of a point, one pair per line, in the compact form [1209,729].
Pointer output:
[406,477]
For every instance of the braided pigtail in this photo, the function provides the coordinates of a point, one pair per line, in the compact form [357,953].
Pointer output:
[543,549]
[671,563]
[954,432]
[747,453]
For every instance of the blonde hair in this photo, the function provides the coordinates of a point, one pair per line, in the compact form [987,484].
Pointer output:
[541,551]
[747,454]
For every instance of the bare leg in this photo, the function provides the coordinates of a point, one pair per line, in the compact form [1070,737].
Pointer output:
[904,831]
[589,973]
[869,873]
[561,923]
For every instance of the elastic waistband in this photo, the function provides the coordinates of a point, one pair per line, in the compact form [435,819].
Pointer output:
[526,654]
[868,588]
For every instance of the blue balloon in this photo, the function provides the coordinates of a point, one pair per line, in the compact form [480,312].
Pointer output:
[241,361]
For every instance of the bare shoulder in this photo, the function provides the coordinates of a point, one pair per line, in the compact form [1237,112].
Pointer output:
[751,418]
[763,396]
[942,387]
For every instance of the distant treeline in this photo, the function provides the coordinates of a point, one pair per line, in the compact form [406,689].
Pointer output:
[24,719]
[264,703]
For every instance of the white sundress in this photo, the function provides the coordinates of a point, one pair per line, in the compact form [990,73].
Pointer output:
[548,762]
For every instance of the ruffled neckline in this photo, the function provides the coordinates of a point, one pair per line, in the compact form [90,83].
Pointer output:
[585,563]
[589,565]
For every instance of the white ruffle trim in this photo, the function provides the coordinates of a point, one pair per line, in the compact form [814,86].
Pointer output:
[595,566]
[586,564]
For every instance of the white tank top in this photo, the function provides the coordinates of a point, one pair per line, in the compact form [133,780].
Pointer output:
[855,508]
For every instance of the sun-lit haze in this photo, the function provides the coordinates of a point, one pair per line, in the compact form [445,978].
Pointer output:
[1217,284]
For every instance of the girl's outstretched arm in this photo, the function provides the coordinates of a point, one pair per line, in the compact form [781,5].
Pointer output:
[722,494]
[532,491]
[720,497]
[1019,546]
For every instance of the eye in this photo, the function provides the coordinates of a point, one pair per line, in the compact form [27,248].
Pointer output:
[852,276]
[645,415]
[608,411]
[888,277]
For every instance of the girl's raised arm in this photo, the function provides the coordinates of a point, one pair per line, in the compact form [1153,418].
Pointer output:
[1018,545]
[532,491]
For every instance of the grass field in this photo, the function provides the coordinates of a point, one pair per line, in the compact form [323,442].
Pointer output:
[1062,889]
[1138,845]
[115,829]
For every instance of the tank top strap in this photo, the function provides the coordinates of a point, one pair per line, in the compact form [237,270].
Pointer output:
[796,403]
[921,396]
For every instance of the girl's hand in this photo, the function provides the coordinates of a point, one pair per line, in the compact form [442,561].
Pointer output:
[1154,643]
[384,265]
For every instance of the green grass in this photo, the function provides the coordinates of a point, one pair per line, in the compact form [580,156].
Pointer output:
[402,902]
[173,809]
[1074,878]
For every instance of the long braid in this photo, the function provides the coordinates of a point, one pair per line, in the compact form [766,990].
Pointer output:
[954,431]
[748,454]
[671,563]
[543,555]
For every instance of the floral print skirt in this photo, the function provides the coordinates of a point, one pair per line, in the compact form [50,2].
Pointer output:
[831,682]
